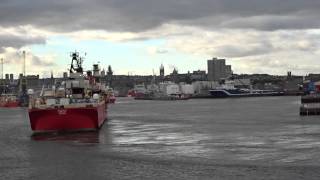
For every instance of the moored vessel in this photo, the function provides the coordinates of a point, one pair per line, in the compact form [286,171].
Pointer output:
[78,104]
[224,93]
[110,96]
[9,101]
[310,105]
[310,102]
[7,98]
[229,90]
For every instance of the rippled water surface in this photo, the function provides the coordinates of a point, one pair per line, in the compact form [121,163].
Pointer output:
[248,138]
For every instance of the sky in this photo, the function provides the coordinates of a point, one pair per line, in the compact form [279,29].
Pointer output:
[137,36]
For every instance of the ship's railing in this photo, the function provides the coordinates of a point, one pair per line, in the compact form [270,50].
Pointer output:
[72,104]
[84,105]
[310,105]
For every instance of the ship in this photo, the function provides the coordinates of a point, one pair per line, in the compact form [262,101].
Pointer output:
[310,102]
[77,104]
[310,105]
[223,93]
[228,90]
[7,98]
[9,101]
[110,96]
[160,97]
[163,92]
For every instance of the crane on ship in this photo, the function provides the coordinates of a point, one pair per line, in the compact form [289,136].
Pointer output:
[76,63]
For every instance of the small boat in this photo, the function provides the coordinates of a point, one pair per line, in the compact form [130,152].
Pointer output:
[110,96]
[112,99]
[131,93]
[9,101]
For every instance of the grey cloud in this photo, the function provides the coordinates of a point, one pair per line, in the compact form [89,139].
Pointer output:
[263,43]
[274,65]
[279,64]
[36,61]
[15,58]
[238,51]
[274,22]
[2,50]
[14,41]
[141,15]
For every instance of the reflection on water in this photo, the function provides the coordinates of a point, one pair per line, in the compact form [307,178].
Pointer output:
[156,138]
[86,137]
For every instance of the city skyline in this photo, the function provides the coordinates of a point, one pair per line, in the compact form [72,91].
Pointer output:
[155,71]
[138,36]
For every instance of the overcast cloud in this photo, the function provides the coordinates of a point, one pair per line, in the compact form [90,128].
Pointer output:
[239,29]
[141,15]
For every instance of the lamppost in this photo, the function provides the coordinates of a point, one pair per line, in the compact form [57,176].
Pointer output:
[23,82]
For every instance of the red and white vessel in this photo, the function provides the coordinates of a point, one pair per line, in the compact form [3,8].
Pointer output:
[78,104]
[9,101]
[110,96]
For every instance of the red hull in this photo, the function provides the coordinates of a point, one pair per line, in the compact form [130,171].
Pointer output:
[112,100]
[65,119]
[10,104]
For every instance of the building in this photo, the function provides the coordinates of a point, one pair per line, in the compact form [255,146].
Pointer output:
[199,76]
[229,71]
[33,82]
[174,75]
[65,75]
[103,73]
[109,77]
[217,69]
[162,73]
[11,78]
[313,77]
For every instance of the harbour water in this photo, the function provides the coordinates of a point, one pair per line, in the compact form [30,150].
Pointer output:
[244,138]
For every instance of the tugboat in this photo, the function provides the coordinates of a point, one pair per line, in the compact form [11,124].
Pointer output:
[78,104]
